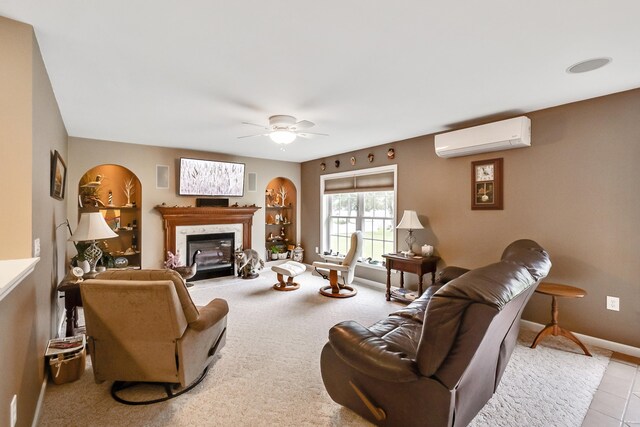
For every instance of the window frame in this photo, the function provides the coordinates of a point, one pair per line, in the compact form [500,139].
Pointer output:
[324,207]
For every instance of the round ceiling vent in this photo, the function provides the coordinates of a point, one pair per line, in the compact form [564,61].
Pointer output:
[588,65]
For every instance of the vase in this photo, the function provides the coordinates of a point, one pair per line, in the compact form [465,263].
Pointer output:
[84,265]
[427,250]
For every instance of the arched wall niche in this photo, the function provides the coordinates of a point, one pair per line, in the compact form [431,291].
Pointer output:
[116,192]
[280,217]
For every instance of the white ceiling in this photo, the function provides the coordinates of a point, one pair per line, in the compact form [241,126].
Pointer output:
[187,73]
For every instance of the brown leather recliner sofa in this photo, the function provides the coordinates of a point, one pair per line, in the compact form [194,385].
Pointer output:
[437,361]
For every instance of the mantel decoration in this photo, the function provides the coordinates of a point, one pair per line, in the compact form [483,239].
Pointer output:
[58,176]
[486,184]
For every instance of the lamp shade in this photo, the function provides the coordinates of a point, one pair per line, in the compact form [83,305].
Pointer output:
[409,221]
[92,226]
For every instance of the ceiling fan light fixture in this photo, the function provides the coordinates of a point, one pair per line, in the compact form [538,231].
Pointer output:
[282,136]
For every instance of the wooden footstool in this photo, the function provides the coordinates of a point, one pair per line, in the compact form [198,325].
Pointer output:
[291,269]
[555,290]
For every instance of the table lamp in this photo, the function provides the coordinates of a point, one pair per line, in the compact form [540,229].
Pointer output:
[409,222]
[92,227]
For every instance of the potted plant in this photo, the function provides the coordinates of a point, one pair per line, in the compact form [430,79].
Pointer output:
[275,250]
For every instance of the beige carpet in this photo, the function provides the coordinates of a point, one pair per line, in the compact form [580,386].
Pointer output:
[268,373]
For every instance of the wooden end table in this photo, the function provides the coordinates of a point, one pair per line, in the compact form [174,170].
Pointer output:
[72,300]
[556,290]
[417,264]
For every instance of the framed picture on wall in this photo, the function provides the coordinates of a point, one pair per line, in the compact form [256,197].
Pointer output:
[58,176]
[486,184]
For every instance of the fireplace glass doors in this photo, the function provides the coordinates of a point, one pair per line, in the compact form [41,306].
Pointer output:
[216,258]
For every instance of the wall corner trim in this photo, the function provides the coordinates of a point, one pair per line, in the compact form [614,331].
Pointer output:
[38,413]
[14,271]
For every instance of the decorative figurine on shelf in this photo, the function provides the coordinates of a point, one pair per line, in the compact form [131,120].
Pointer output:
[110,198]
[283,194]
[270,196]
[277,219]
[282,231]
[248,263]
[129,190]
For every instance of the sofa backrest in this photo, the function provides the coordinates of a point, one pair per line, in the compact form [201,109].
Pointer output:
[133,326]
[351,258]
[460,313]
[190,310]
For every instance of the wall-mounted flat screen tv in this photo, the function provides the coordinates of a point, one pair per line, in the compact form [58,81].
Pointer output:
[210,178]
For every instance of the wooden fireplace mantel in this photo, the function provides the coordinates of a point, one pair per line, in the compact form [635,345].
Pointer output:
[177,216]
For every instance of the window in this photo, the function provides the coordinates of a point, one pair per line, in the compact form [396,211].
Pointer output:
[363,200]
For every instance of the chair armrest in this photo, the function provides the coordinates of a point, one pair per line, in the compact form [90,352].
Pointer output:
[210,314]
[337,259]
[363,350]
[330,266]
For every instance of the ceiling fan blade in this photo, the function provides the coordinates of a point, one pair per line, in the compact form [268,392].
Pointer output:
[309,134]
[303,124]
[253,124]
[251,136]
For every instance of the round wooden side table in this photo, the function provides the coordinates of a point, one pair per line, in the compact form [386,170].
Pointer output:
[556,290]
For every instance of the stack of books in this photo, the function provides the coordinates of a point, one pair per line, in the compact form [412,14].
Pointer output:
[403,294]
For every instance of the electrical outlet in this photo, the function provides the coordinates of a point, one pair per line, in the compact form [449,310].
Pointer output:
[14,410]
[613,303]
[36,248]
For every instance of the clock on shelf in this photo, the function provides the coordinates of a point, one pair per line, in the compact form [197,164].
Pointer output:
[486,184]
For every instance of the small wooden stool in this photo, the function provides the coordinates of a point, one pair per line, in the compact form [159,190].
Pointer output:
[557,290]
[291,269]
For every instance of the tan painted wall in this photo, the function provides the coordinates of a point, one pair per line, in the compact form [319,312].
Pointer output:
[15,138]
[84,154]
[28,314]
[574,191]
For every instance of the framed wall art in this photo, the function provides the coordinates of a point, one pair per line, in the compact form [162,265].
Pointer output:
[486,184]
[58,176]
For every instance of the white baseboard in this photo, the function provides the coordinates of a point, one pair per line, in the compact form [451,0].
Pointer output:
[38,412]
[586,339]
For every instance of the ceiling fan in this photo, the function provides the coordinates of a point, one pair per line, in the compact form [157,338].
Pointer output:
[284,129]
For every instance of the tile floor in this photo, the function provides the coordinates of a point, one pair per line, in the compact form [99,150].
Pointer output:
[617,400]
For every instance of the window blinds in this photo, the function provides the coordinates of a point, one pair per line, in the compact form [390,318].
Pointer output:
[360,183]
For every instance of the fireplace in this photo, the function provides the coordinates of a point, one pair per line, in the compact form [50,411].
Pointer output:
[216,254]
[182,224]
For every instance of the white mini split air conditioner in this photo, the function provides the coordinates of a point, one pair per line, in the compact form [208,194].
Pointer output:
[503,135]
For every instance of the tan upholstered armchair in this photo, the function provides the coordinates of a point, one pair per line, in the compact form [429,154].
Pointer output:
[341,275]
[142,326]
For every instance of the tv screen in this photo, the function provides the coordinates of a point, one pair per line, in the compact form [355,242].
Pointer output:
[210,178]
